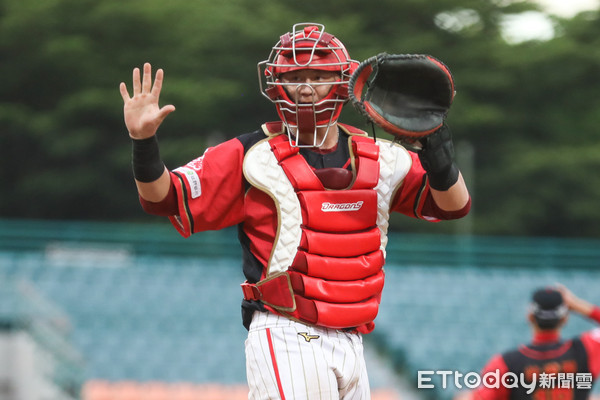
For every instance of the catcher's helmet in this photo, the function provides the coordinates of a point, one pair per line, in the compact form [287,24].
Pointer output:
[308,46]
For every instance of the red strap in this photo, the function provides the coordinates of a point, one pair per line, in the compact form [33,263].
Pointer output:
[250,291]
[366,161]
[275,291]
[297,170]
[302,177]
[365,147]
[306,310]
[281,148]
[300,174]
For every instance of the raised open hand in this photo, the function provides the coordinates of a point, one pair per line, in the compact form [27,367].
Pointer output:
[142,113]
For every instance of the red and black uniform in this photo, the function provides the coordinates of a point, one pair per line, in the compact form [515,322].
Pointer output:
[337,200]
[562,367]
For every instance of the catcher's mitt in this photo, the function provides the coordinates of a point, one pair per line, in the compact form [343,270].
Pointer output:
[408,95]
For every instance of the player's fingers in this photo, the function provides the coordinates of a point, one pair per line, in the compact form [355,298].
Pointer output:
[158,80]
[137,86]
[124,92]
[147,78]
[166,110]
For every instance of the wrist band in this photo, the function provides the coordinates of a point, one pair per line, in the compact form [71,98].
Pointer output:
[437,158]
[146,162]
[443,180]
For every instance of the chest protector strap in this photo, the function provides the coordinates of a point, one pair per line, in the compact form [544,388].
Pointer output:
[336,277]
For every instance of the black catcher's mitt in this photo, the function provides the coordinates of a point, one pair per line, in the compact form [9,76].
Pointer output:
[408,95]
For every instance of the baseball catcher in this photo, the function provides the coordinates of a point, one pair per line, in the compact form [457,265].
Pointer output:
[311,198]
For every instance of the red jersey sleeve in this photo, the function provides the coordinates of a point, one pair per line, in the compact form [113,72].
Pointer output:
[210,190]
[411,197]
[493,390]
[591,342]
[166,207]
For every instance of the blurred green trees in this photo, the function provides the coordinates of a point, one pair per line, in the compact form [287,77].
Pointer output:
[524,120]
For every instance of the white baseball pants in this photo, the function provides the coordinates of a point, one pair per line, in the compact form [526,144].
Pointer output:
[289,360]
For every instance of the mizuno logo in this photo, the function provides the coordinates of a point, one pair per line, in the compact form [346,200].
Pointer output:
[308,337]
[329,207]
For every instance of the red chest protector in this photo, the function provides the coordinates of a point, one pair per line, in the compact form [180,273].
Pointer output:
[337,275]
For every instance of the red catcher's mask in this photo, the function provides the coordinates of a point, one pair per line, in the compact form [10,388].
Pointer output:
[308,46]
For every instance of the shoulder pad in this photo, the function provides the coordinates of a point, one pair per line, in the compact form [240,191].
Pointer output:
[273,128]
[351,130]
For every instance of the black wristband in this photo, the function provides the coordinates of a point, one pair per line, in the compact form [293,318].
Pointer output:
[437,158]
[146,162]
[443,180]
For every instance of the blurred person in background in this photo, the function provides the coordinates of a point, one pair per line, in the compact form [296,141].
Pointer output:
[564,369]
[311,198]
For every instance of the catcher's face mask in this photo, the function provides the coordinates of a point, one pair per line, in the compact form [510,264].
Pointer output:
[308,46]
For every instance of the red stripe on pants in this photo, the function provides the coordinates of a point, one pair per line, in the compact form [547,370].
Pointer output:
[274,361]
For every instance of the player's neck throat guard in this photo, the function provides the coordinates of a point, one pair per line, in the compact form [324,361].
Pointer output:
[308,46]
